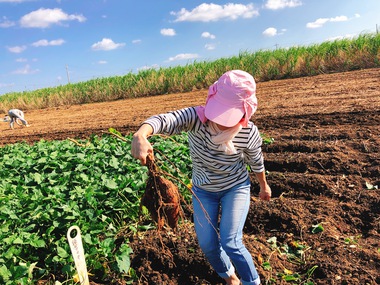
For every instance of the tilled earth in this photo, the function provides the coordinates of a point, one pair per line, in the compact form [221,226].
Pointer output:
[322,224]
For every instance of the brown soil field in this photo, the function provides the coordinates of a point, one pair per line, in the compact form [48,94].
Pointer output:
[323,167]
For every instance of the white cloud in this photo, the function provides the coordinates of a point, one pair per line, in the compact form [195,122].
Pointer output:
[168,32]
[25,70]
[281,4]
[183,56]
[106,44]
[17,49]
[6,23]
[317,23]
[213,12]
[210,46]
[339,19]
[138,41]
[270,32]
[321,21]
[207,35]
[102,62]
[45,43]
[44,18]
[21,59]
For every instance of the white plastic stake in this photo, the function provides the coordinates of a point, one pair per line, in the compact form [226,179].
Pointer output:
[77,251]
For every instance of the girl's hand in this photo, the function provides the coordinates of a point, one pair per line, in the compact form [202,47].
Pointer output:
[265,193]
[140,144]
[140,148]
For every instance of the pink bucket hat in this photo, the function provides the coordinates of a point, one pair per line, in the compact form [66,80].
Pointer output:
[230,98]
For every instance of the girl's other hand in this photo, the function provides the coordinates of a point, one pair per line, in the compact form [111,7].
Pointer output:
[265,193]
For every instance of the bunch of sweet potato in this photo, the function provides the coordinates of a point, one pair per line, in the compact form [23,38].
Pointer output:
[161,197]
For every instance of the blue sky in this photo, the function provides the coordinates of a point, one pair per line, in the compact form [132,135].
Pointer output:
[45,43]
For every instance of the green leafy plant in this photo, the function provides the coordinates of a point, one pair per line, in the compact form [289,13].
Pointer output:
[267,139]
[294,251]
[317,228]
[352,240]
[266,265]
[95,184]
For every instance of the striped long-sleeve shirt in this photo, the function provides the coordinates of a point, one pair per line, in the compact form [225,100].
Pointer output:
[213,170]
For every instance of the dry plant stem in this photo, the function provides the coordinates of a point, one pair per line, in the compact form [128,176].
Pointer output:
[78,143]
[158,135]
[163,136]
[119,137]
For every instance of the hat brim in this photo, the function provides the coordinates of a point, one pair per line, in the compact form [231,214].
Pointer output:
[222,114]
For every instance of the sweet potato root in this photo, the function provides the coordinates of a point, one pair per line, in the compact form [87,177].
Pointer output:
[161,197]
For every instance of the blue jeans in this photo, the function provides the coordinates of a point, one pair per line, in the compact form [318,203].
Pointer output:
[221,240]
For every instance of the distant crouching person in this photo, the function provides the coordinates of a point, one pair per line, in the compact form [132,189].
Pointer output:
[16,115]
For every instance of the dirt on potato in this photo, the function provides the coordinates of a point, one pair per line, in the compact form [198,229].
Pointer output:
[322,224]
